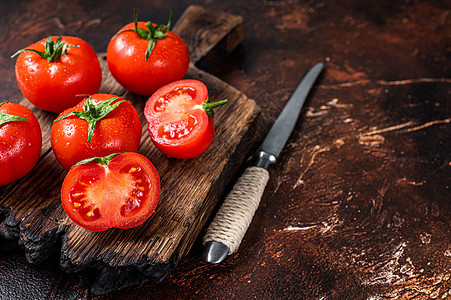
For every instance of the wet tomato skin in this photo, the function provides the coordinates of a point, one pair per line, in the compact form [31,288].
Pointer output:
[177,123]
[54,86]
[123,193]
[20,143]
[126,57]
[119,131]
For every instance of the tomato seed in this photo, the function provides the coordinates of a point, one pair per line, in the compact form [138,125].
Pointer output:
[74,195]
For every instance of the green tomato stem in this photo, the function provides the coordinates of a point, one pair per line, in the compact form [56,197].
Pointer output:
[53,50]
[208,106]
[93,113]
[100,160]
[5,118]
[153,33]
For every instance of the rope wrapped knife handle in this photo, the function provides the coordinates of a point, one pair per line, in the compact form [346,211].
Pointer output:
[236,213]
[225,233]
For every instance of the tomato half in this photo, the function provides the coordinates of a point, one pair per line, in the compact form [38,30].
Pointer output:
[180,118]
[20,141]
[119,191]
[127,62]
[118,131]
[53,83]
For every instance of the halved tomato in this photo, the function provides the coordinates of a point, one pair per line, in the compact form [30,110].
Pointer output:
[119,190]
[180,118]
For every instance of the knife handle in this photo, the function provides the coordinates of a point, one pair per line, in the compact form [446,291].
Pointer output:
[235,214]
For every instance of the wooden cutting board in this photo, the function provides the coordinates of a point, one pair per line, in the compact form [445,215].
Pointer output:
[30,208]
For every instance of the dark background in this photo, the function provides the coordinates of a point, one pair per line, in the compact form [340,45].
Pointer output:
[358,205]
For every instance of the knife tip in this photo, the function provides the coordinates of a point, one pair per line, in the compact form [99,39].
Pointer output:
[215,252]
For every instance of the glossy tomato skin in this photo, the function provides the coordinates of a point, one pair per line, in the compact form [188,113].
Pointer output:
[177,123]
[126,57]
[119,131]
[54,86]
[121,194]
[20,143]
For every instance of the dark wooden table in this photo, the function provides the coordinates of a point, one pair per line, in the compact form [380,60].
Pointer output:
[358,205]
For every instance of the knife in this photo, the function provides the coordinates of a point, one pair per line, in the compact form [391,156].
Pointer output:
[227,229]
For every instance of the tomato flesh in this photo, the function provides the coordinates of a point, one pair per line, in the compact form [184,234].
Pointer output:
[177,123]
[185,93]
[122,194]
[178,129]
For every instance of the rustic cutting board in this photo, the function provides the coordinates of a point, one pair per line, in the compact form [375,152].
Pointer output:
[30,208]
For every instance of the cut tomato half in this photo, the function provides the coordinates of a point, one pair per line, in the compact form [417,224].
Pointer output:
[180,118]
[120,190]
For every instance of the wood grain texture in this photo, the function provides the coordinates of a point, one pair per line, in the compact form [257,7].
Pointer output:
[190,189]
[217,35]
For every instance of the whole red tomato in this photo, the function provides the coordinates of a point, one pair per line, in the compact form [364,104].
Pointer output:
[180,118]
[120,191]
[143,60]
[52,72]
[99,125]
[20,141]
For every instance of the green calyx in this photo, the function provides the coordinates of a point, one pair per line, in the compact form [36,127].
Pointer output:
[5,118]
[53,50]
[93,113]
[208,106]
[152,34]
[100,160]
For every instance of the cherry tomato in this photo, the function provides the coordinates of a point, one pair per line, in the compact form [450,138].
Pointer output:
[120,190]
[99,125]
[20,141]
[143,60]
[53,71]
[180,118]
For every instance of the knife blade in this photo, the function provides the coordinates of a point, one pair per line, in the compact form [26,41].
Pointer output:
[227,229]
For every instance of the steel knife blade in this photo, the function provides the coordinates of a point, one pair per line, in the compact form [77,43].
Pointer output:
[226,231]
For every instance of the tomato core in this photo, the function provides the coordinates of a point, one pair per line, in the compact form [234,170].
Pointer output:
[177,95]
[177,104]
[104,188]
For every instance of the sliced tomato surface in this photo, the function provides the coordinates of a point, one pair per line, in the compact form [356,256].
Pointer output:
[122,192]
[177,122]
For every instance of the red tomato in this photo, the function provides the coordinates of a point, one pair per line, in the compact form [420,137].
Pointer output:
[20,141]
[126,57]
[118,130]
[180,118]
[53,82]
[120,192]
